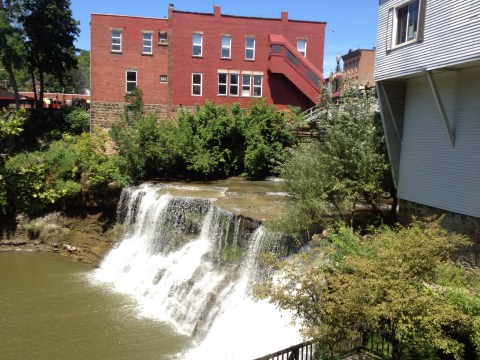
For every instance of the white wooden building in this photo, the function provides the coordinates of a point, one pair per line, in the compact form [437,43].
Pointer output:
[427,73]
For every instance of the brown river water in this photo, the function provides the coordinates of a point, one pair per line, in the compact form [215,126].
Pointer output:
[50,310]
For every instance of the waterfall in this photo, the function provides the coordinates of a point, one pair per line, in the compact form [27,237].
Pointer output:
[191,264]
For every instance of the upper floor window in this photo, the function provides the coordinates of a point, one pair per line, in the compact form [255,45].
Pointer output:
[406,22]
[131,80]
[226,47]
[162,37]
[147,40]
[196,84]
[197,44]
[249,48]
[116,37]
[302,46]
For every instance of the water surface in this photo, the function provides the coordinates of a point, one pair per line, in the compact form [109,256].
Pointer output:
[49,309]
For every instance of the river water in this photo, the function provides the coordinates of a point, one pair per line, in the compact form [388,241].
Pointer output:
[50,309]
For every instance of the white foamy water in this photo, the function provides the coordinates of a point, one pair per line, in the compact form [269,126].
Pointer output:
[170,260]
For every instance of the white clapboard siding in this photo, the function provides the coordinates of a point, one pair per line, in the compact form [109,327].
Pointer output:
[451,37]
[432,172]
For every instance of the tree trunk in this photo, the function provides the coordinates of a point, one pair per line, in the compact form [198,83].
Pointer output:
[40,97]
[13,81]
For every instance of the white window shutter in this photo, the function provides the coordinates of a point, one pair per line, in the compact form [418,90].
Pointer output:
[390,30]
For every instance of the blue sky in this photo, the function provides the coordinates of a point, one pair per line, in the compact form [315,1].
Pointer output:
[351,24]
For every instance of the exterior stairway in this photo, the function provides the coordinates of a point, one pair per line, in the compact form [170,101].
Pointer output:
[285,59]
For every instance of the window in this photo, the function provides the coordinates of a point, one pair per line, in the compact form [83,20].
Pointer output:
[226,46]
[116,41]
[249,48]
[162,38]
[406,22]
[257,85]
[196,84]
[222,83]
[246,86]
[234,81]
[131,80]
[302,46]
[147,43]
[197,45]
[163,78]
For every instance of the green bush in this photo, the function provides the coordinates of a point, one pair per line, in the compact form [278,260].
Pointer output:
[214,141]
[77,121]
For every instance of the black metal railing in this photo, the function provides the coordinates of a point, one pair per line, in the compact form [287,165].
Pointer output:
[303,351]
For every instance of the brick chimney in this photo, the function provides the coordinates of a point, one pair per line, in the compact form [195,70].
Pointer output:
[170,10]
[285,16]
[217,11]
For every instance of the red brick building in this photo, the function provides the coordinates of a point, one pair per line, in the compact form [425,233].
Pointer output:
[359,65]
[189,58]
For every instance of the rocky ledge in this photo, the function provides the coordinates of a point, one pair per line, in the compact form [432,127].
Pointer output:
[82,234]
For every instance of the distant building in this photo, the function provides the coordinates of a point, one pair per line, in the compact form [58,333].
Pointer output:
[359,65]
[189,57]
[428,81]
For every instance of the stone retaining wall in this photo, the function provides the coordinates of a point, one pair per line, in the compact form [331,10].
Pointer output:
[104,114]
[464,224]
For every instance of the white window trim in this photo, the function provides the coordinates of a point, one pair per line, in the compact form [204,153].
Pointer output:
[201,84]
[250,48]
[229,47]
[257,86]
[227,83]
[304,53]
[201,44]
[115,37]
[246,73]
[147,46]
[237,85]
[127,81]
[395,25]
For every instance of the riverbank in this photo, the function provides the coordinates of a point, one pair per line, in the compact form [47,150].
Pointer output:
[83,234]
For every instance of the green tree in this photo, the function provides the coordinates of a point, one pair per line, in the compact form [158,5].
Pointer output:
[50,35]
[405,283]
[12,49]
[341,171]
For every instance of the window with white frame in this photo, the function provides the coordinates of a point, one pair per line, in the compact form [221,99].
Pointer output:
[302,46]
[226,52]
[246,85]
[406,22]
[234,82]
[257,85]
[116,37]
[196,84]
[222,84]
[131,80]
[197,44]
[249,48]
[164,79]
[147,43]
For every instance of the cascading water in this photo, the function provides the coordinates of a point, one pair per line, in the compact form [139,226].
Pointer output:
[190,263]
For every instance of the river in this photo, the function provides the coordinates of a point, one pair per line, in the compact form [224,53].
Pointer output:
[51,309]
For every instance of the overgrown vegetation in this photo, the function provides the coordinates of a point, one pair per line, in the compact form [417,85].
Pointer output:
[406,283]
[343,171]
[213,141]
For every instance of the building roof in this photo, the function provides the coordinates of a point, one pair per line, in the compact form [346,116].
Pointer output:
[7,95]
[354,53]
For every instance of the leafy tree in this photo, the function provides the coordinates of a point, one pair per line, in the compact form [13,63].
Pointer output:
[405,283]
[341,171]
[12,49]
[50,35]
